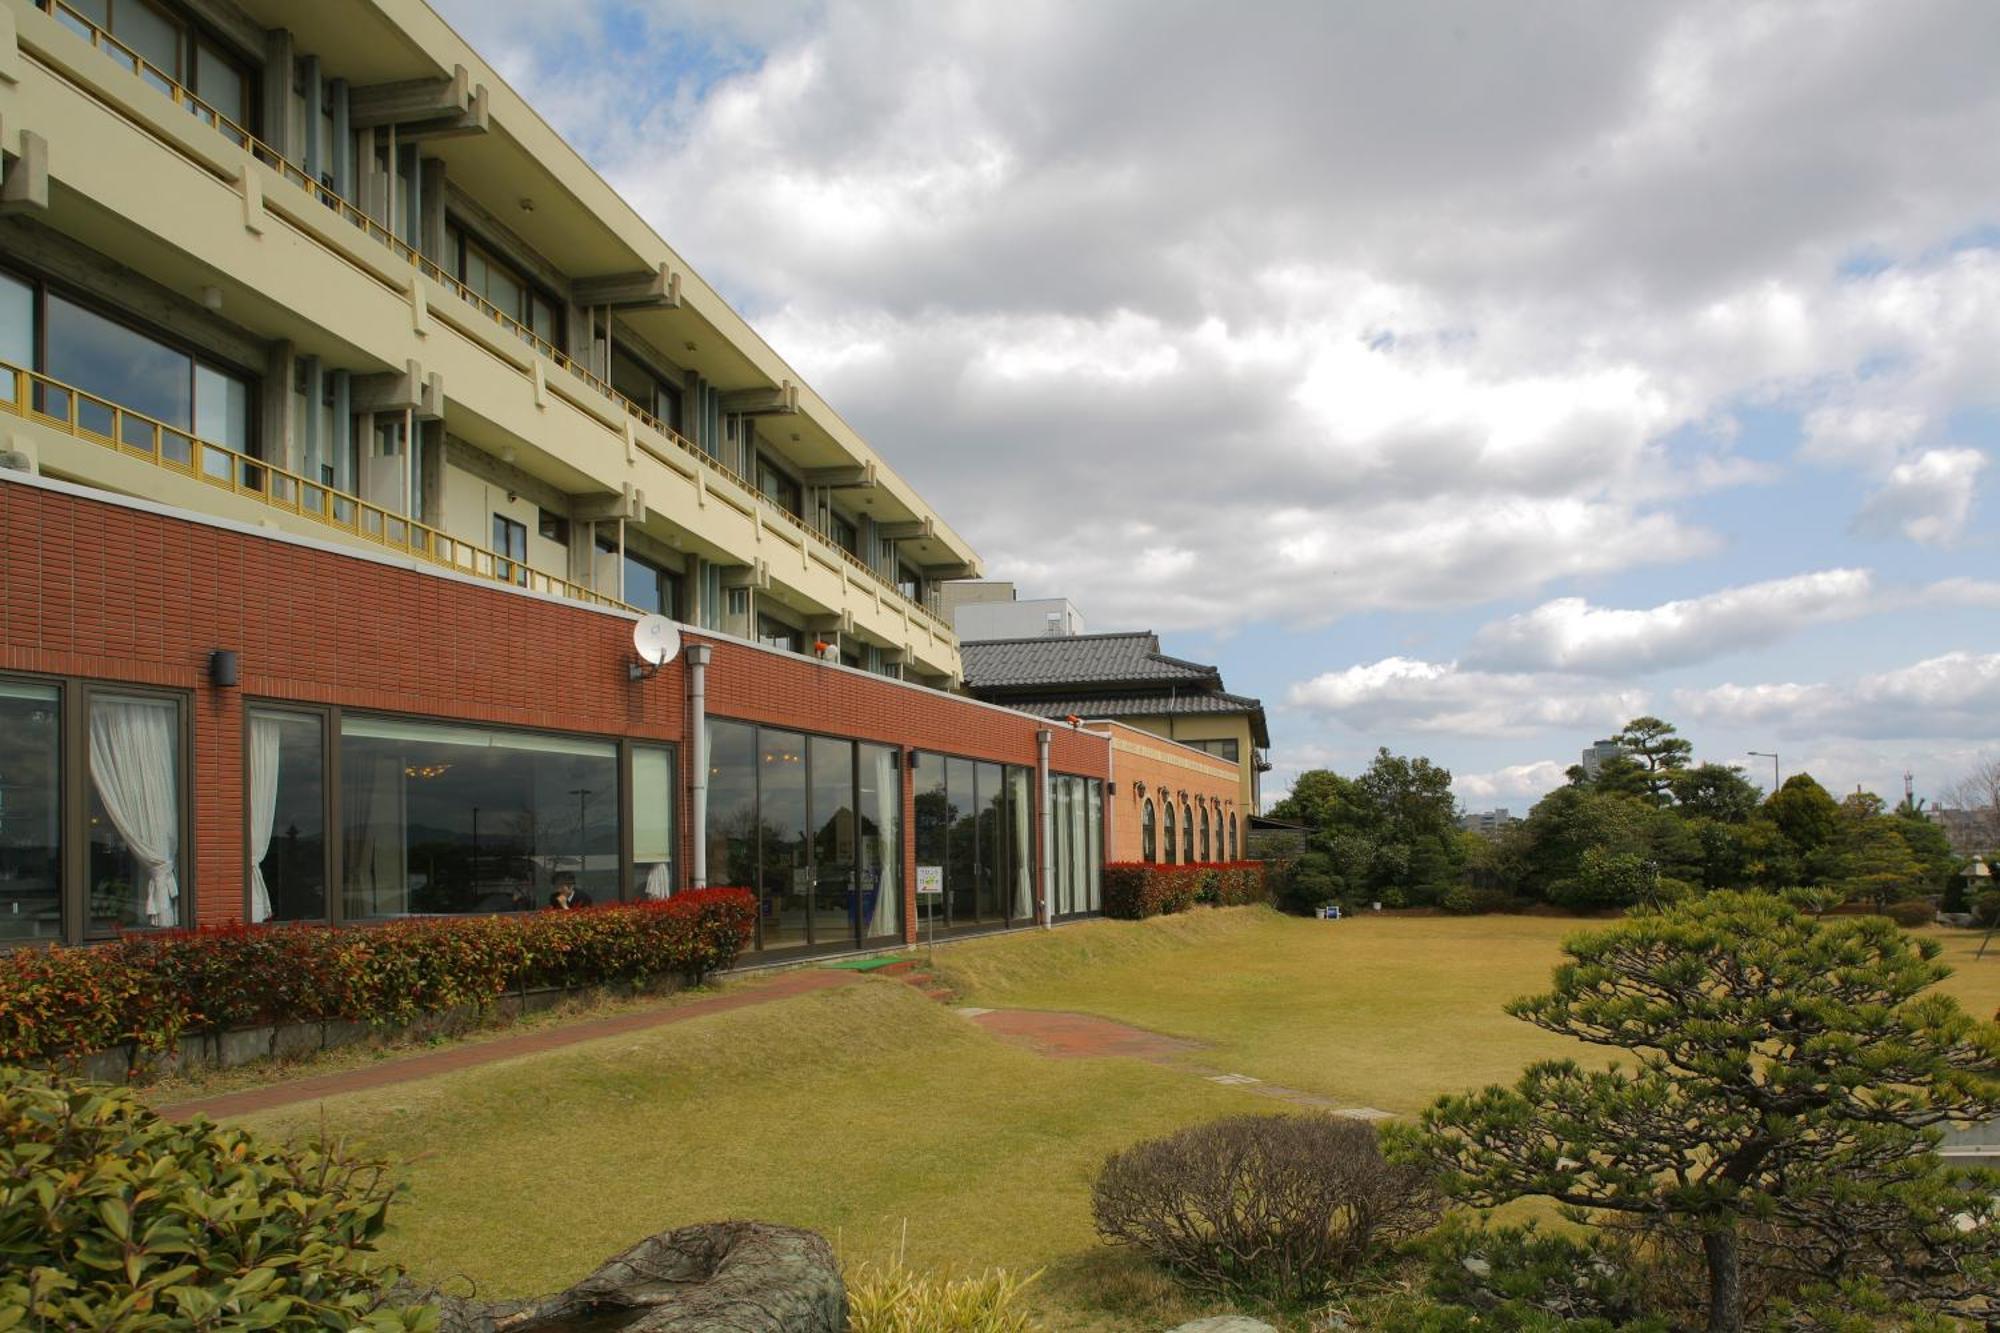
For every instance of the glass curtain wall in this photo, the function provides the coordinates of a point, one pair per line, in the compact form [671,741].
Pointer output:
[1076,810]
[451,819]
[30,812]
[974,833]
[134,812]
[653,799]
[812,825]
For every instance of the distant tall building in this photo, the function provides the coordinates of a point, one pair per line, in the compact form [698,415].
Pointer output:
[990,609]
[1487,823]
[1595,755]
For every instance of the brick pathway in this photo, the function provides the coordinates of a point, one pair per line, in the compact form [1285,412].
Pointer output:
[475,1054]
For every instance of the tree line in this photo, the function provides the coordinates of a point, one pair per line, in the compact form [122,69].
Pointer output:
[1648,826]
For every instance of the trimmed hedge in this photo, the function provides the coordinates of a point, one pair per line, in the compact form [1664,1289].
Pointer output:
[150,990]
[1134,890]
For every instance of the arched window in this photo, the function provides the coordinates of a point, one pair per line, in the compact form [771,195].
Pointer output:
[1172,850]
[1232,837]
[1149,849]
[1204,831]
[1187,833]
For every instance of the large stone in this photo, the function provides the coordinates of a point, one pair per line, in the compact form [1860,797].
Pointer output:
[719,1277]
[1225,1323]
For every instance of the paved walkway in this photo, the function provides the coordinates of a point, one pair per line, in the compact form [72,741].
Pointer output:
[474,1054]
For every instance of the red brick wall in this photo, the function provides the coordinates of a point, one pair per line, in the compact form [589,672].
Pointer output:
[1139,758]
[102,590]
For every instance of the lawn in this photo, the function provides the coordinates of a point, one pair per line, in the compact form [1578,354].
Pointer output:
[868,1109]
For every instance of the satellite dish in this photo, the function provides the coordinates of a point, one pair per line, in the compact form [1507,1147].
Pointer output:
[656,640]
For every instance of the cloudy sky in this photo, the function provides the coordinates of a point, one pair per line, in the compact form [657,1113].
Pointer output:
[1463,378]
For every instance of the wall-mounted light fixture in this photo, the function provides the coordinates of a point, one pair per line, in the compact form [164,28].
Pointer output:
[222,670]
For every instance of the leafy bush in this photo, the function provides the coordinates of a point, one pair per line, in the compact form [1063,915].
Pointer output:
[151,990]
[1465,900]
[111,1217]
[895,1300]
[1916,913]
[1277,1206]
[1514,1274]
[1134,890]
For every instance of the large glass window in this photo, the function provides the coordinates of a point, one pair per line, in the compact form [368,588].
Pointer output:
[1167,808]
[1149,848]
[287,807]
[652,394]
[787,852]
[510,540]
[449,819]
[1020,844]
[1094,860]
[835,906]
[1076,809]
[974,829]
[124,366]
[30,812]
[134,810]
[733,833]
[17,331]
[775,633]
[653,798]
[934,820]
[881,816]
[651,588]
[502,285]
[777,485]
[174,52]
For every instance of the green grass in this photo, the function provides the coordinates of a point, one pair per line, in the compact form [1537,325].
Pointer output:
[863,1110]
[852,1112]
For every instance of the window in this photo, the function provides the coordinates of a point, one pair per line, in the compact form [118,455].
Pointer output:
[1149,850]
[501,285]
[1233,853]
[135,813]
[17,331]
[175,51]
[1076,807]
[774,633]
[136,371]
[653,800]
[777,486]
[653,394]
[439,818]
[510,543]
[974,823]
[910,583]
[1167,806]
[1204,832]
[651,588]
[287,800]
[840,530]
[1221,749]
[552,527]
[812,825]
[31,812]
[1187,834]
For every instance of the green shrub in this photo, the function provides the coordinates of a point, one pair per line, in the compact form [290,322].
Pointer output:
[1134,890]
[150,990]
[1279,1206]
[1464,900]
[895,1300]
[111,1217]
[1916,913]
[1519,1275]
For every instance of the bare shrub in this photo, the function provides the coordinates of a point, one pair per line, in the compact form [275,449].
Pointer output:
[1278,1206]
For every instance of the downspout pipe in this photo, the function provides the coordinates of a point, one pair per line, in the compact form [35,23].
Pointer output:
[697,685]
[1042,739]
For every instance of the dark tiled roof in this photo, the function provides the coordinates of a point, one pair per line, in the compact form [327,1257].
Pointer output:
[1076,659]
[1149,705]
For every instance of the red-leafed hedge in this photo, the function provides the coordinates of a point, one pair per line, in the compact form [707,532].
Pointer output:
[151,990]
[1134,890]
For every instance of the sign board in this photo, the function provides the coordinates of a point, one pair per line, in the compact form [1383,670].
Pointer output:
[930,881]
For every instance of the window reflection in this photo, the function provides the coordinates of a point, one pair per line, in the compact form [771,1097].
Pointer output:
[287,799]
[443,819]
[30,812]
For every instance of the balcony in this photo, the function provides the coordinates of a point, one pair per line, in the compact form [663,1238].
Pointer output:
[84,416]
[488,320]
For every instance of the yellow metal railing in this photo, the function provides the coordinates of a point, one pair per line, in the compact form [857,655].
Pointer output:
[341,207]
[98,420]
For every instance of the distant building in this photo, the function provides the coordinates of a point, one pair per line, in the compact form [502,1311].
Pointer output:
[1595,755]
[990,609]
[1487,823]
[1972,832]
[1125,678]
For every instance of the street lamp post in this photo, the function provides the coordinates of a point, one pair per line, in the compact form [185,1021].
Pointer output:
[1773,757]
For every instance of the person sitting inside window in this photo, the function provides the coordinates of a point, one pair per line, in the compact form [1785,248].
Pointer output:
[565,895]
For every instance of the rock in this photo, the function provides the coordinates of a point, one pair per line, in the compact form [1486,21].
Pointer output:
[719,1277]
[1225,1323]
[1476,1266]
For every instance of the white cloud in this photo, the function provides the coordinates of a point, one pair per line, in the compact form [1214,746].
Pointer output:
[1925,499]
[1953,696]
[1569,634]
[1521,784]
[1475,294]
[1407,694]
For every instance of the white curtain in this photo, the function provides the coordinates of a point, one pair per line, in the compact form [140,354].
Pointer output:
[888,845]
[659,881]
[132,767]
[1024,884]
[265,743]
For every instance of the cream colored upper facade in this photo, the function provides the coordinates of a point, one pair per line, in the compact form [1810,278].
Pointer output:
[443,320]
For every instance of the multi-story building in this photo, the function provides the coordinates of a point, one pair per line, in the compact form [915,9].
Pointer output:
[1597,753]
[989,609]
[348,422]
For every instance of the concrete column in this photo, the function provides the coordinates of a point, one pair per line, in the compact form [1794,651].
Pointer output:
[277,86]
